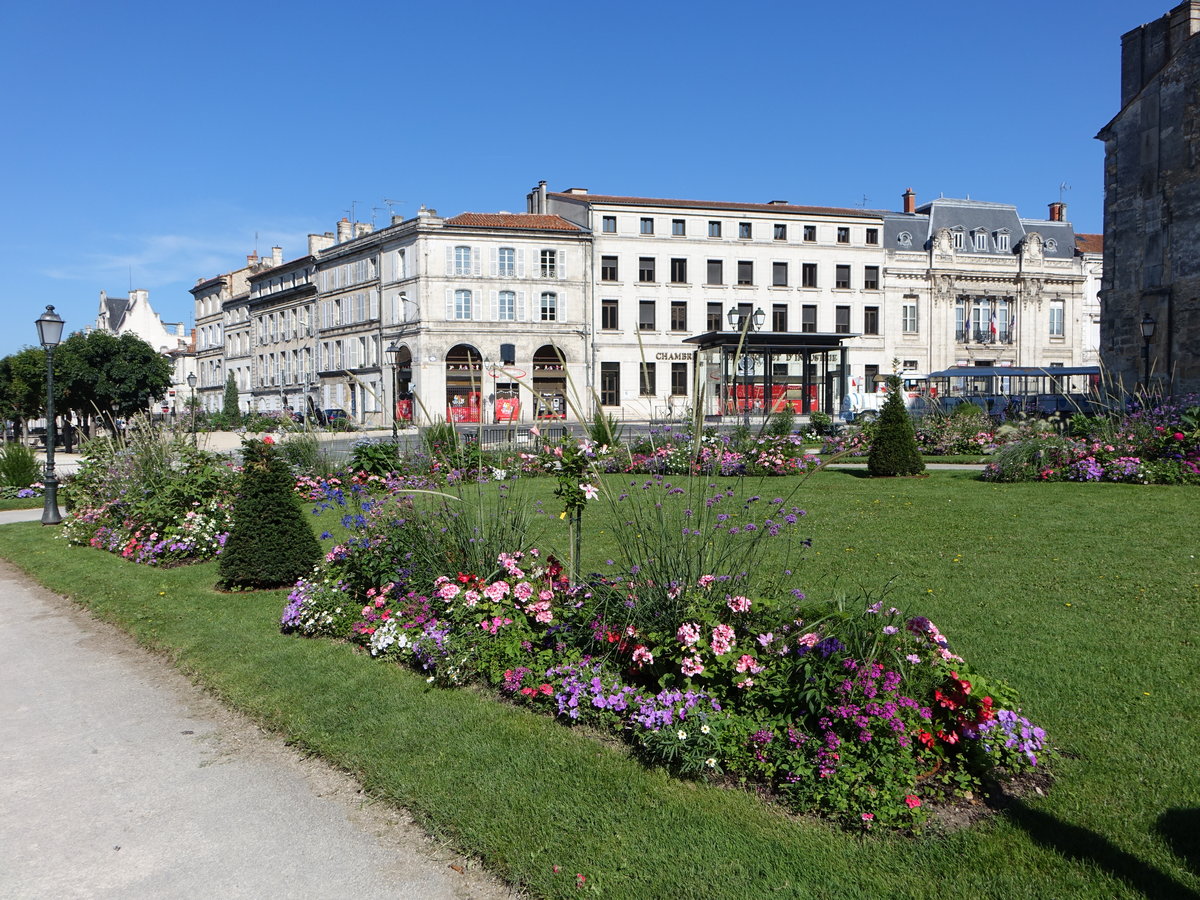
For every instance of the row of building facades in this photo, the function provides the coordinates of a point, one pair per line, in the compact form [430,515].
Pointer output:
[588,301]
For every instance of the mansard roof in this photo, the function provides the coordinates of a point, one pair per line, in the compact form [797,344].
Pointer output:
[970,216]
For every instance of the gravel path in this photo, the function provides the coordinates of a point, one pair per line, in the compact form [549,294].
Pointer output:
[120,778]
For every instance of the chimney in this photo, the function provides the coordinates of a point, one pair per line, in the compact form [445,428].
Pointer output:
[777,203]
[252,259]
[910,201]
[344,230]
[277,256]
[1058,211]
[363,228]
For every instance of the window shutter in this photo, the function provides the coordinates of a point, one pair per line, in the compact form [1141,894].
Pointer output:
[495,306]
[494,256]
[449,260]
[520,306]
[521,263]
[475,255]
[374,305]
[561,268]
[476,304]
[449,304]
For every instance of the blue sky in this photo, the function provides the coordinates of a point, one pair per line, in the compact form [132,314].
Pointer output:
[149,144]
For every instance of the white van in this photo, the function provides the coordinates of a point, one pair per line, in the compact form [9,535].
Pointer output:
[865,405]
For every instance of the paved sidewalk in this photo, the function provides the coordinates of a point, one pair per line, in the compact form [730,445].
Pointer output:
[121,779]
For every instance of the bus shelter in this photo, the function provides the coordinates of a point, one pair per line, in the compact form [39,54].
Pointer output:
[1028,389]
[764,372]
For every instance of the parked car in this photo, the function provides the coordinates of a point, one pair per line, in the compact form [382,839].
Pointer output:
[335,416]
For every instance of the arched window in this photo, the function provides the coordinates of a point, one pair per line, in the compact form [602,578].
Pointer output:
[462,304]
[506,261]
[549,307]
[506,311]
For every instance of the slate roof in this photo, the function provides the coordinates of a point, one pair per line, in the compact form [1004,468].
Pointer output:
[725,206]
[116,308]
[969,216]
[513,220]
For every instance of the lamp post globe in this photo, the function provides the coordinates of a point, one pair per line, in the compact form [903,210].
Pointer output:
[50,329]
[1147,326]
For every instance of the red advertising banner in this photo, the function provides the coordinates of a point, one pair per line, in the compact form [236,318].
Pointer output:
[507,409]
[463,410]
[404,410]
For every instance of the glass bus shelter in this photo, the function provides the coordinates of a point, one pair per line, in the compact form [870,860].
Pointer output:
[764,372]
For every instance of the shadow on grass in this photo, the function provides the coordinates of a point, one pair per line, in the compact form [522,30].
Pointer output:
[1073,842]
[1180,828]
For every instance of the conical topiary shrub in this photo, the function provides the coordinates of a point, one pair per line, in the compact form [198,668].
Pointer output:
[894,450]
[271,543]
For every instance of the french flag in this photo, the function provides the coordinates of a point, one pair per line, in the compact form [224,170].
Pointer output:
[992,327]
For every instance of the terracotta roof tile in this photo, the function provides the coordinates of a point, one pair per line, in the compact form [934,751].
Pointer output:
[1089,243]
[513,220]
[721,205]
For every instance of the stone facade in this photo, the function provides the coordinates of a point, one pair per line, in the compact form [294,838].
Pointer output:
[1152,207]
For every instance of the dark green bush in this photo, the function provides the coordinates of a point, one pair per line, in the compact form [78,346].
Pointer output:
[894,447]
[271,543]
[782,423]
[19,465]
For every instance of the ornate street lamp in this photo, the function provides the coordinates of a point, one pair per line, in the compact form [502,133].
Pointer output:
[745,322]
[50,329]
[191,383]
[1147,325]
[393,354]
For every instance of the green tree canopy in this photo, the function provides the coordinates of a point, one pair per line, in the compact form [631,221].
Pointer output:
[109,376]
[23,384]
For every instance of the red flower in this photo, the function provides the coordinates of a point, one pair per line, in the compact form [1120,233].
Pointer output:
[268,439]
[913,801]
[1179,435]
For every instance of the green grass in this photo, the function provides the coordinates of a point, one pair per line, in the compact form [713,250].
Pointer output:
[23,503]
[1084,597]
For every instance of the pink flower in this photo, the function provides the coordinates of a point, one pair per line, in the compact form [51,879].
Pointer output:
[523,591]
[748,663]
[808,640]
[1179,435]
[642,656]
[867,817]
[590,491]
[705,581]
[722,639]
[738,604]
[448,591]
[688,633]
[691,666]
[267,439]
[913,801]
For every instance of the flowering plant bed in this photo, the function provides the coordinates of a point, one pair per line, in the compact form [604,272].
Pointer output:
[866,716]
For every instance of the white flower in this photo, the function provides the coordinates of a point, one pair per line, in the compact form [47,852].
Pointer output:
[681,734]
[590,491]
[711,762]
[704,729]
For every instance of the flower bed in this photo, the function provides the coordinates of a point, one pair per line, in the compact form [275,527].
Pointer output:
[866,716]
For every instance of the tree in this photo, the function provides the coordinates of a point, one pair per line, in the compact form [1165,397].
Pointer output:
[271,543]
[894,449]
[23,384]
[232,410]
[110,376]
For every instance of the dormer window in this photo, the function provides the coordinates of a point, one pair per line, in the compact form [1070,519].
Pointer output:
[959,239]
[904,239]
[1002,240]
[1051,244]
[981,241]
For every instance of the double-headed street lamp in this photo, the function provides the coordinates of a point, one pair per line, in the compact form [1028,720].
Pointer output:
[50,329]
[744,321]
[393,354]
[1147,326]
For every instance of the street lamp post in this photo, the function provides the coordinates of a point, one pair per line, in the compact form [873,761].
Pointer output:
[50,329]
[191,383]
[393,353]
[1147,325]
[745,322]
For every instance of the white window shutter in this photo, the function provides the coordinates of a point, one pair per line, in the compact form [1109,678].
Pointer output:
[495,306]
[449,304]
[374,305]
[476,304]
[494,255]
[475,258]
[562,264]
[521,263]
[520,306]
[449,260]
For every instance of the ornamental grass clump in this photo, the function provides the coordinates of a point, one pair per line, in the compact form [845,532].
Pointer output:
[894,448]
[271,543]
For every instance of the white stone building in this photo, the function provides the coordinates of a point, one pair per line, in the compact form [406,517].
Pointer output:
[669,270]
[971,283]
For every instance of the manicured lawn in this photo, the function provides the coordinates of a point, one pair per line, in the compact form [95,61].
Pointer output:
[23,503]
[1086,598]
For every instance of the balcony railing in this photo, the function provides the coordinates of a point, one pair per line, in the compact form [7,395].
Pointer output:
[983,336]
